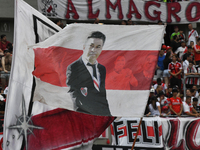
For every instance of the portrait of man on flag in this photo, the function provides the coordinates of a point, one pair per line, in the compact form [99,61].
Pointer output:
[102,71]
[86,78]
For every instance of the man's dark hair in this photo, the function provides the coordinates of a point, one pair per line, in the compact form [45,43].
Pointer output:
[2,36]
[160,93]
[195,99]
[198,39]
[124,21]
[187,97]
[187,55]
[159,81]
[162,49]
[191,62]
[189,47]
[192,90]
[175,56]
[7,51]
[159,21]
[153,98]
[9,45]
[174,90]
[56,21]
[97,34]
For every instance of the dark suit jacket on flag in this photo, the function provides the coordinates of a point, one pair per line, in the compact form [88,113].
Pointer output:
[92,101]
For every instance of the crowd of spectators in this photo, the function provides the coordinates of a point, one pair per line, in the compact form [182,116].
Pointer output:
[6,48]
[179,60]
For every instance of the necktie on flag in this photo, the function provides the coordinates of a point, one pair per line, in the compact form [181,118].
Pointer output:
[62,129]
[94,75]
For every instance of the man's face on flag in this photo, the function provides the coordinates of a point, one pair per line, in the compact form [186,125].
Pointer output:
[149,62]
[92,49]
[119,63]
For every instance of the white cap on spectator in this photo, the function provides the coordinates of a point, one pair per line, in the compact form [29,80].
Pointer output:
[6,91]
[2,98]
[152,90]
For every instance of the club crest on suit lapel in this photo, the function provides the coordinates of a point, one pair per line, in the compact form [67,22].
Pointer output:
[84,91]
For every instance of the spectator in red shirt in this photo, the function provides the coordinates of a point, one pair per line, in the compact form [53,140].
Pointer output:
[3,42]
[175,103]
[175,70]
[197,52]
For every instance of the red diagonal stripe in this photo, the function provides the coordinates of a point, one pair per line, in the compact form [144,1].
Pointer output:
[96,83]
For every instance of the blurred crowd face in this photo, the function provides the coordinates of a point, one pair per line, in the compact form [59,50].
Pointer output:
[176,29]
[191,43]
[170,90]
[188,100]
[195,103]
[4,39]
[174,94]
[96,21]
[190,65]
[190,58]
[119,63]
[159,88]
[7,53]
[198,42]
[194,87]
[123,23]
[149,62]
[190,26]
[130,22]
[174,58]
[183,44]
[188,93]
[161,52]
[189,50]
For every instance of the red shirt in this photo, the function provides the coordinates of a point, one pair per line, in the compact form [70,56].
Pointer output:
[176,104]
[3,46]
[175,68]
[196,55]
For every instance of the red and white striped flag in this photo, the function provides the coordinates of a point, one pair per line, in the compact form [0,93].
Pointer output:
[123,59]
[29,125]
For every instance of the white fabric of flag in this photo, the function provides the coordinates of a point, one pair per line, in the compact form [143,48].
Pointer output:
[125,57]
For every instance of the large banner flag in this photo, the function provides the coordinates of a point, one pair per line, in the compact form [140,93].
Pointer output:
[98,69]
[37,126]
[157,133]
[137,10]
